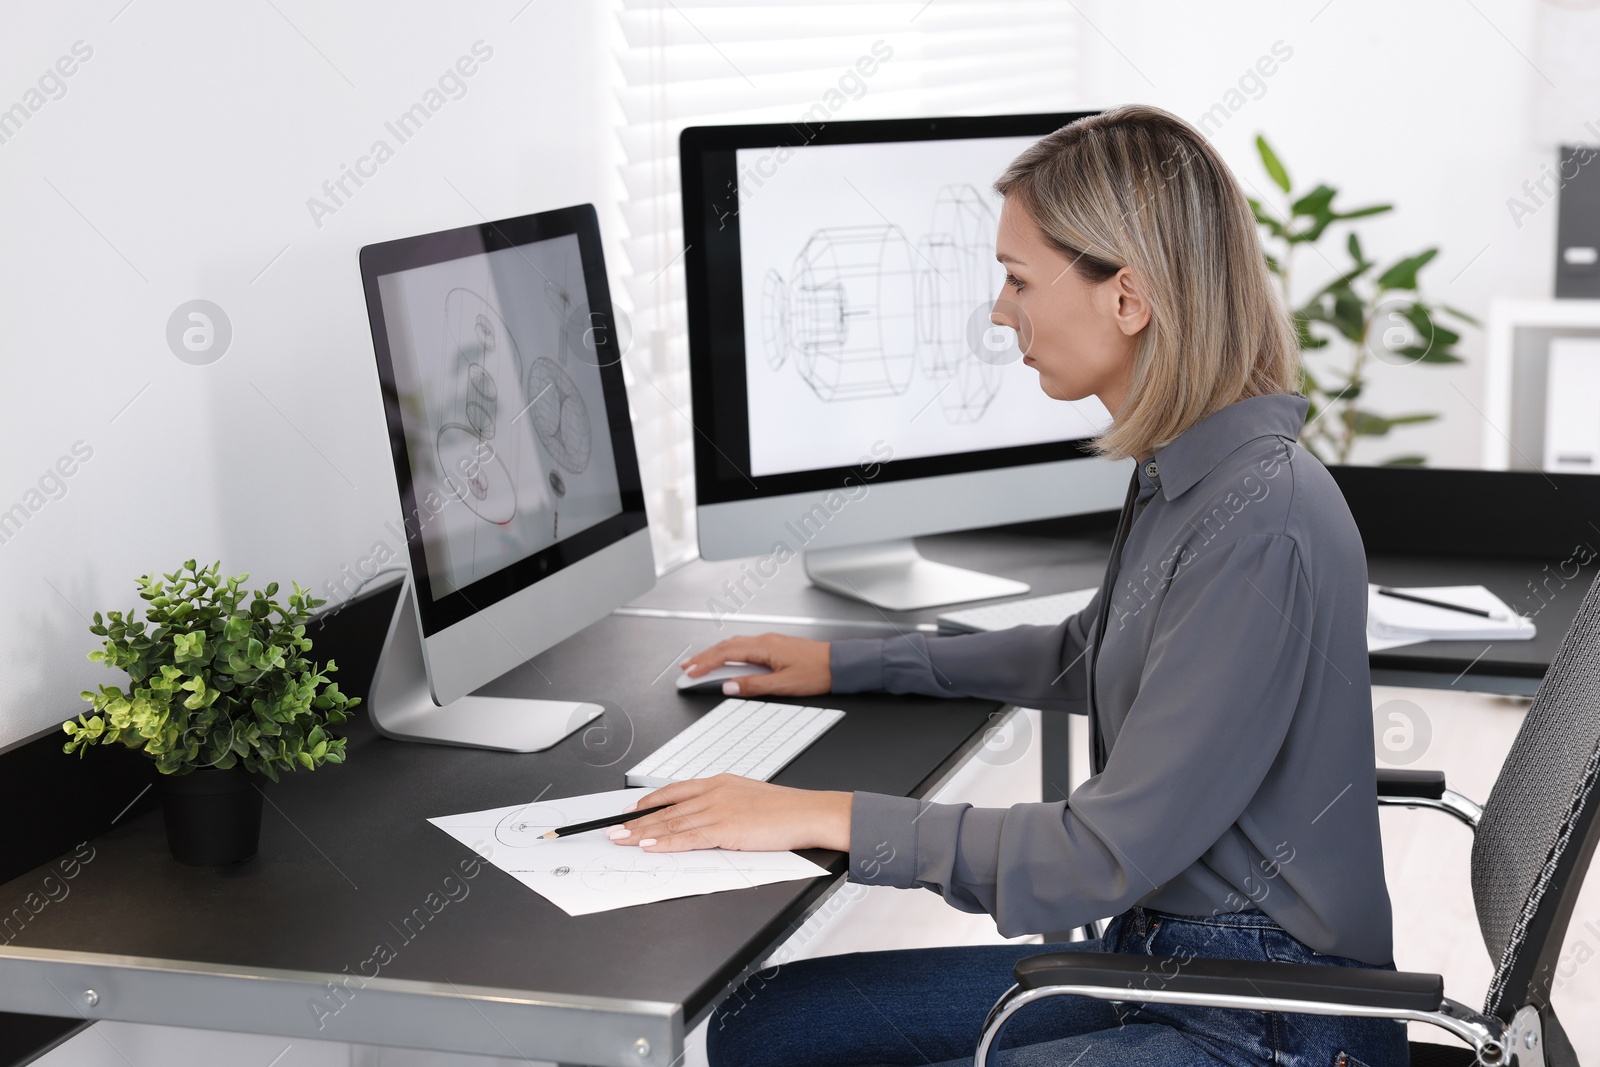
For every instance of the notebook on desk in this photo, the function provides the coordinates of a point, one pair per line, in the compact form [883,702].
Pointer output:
[1391,623]
[1392,619]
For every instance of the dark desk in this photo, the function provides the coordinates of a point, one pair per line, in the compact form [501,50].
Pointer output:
[346,857]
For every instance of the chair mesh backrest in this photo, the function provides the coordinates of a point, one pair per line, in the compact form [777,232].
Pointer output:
[1530,818]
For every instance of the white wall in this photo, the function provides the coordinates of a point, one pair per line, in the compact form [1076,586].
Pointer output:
[1429,104]
[177,165]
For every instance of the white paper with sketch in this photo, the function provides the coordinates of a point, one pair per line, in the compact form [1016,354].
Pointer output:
[586,873]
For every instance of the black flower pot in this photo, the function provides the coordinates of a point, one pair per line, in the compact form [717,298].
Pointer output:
[213,817]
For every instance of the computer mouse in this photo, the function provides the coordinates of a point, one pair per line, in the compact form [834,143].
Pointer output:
[712,680]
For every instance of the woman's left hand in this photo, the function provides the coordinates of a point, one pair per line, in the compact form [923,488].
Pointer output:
[728,811]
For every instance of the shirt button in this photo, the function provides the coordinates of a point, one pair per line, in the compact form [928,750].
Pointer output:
[1150,469]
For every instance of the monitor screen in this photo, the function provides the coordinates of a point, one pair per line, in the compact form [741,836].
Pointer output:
[504,405]
[840,281]
[869,273]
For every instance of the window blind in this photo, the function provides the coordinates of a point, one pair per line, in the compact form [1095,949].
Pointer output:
[702,62]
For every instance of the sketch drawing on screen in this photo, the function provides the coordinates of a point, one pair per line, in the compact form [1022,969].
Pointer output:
[863,308]
[481,354]
[560,417]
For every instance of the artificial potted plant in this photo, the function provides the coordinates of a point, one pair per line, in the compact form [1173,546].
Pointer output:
[220,692]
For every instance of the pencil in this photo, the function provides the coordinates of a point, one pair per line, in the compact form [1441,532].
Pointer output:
[600,824]
[1383,591]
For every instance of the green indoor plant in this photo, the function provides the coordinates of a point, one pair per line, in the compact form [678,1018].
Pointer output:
[1371,313]
[220,690]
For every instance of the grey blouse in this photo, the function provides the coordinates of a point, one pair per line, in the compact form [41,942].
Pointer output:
[1233,709]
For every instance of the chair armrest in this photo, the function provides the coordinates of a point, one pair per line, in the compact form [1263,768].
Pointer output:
[1398,782]
[1324,983]
[1399,787]
[1248,985]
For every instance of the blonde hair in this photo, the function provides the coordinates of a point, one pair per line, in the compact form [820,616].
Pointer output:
[1141,188]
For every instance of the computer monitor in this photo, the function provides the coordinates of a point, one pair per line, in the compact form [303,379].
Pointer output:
[849,389]
[508,421]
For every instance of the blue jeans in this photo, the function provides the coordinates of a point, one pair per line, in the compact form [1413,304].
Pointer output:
[927,1006]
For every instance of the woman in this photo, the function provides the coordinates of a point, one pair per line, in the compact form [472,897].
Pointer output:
[1223,666]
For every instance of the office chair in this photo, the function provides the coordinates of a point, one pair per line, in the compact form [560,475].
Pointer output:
[1533,840]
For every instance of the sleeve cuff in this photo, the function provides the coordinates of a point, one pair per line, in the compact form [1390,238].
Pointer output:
[856,664]
[883,840]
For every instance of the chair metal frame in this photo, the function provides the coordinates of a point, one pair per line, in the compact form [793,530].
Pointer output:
[1496,1043]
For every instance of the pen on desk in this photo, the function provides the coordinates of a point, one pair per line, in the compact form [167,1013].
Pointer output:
[600,824]
[1383,591]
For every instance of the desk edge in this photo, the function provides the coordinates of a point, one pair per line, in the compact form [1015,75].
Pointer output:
[479,1020]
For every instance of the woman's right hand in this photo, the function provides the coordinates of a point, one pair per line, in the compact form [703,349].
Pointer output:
[799,665]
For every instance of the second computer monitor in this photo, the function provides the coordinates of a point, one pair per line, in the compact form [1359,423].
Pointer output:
[508,422]
[849,389]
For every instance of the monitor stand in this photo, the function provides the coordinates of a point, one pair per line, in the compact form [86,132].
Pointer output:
[400,703]
[894,576]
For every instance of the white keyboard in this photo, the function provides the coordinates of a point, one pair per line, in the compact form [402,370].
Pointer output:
[748,737]
[1049,610]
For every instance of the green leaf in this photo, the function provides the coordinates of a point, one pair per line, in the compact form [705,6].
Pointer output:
[1403,275]
[1354,245]
[1311,234]
[1405,461]
[1368,424]
[1269,160]
[1345,312]
[1342,281]
[1315,203]
[188,647]
[1363,212]
[1429,332]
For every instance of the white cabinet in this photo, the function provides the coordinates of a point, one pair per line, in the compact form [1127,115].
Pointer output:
[1572,406]
[1539,407]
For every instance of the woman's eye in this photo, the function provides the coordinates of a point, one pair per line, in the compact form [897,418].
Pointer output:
[1013,281]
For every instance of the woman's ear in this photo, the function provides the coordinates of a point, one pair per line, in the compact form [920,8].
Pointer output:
[1132,310]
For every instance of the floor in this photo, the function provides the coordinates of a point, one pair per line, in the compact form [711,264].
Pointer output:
[1464,734]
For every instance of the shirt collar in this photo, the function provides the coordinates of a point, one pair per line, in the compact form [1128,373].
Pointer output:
[1196,452]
